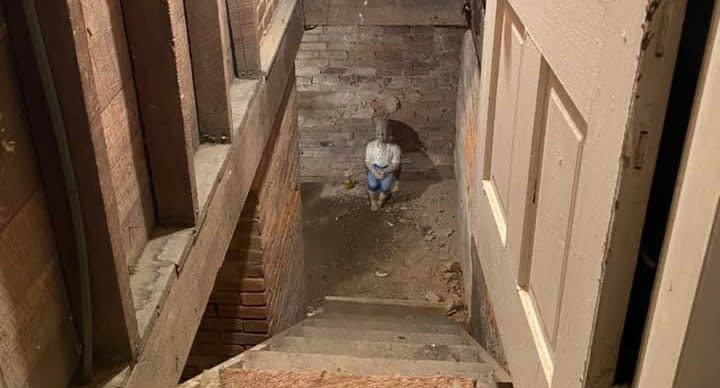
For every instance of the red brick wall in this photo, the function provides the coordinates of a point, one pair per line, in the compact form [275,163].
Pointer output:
[259,291]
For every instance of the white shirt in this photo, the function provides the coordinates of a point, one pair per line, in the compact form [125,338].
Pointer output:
[382,154]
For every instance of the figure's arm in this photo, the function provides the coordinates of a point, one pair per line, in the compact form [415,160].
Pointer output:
[395,162]
[368,159]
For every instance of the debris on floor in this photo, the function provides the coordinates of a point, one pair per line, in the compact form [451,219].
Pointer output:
[407,251]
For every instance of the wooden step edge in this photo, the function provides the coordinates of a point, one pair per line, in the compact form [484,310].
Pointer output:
[378,335]
[435,319]
[269,360]
[415,327]
[389,302]
[376,349]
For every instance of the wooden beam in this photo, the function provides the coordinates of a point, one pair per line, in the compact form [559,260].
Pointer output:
[47,155]
[115,333]
[159,47]
[245,40]
[169,342]
[208,31]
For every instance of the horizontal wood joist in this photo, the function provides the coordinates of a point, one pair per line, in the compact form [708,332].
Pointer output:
[168,341]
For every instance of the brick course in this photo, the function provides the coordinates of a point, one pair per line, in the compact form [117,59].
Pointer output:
[259,290]
[341,69]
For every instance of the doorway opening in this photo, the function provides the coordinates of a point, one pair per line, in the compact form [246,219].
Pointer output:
[685,79]
[408,249]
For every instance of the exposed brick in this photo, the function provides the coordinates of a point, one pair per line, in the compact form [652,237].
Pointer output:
[256,326]
[253,298]
[207,337]
[413,63]
[265,254]
[242,338]
[225,297]
[249,284]
[235,311]
[316,46]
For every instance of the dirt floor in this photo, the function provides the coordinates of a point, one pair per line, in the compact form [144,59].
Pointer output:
[406,250]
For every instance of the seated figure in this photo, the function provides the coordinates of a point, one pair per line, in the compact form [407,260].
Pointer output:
[382,159]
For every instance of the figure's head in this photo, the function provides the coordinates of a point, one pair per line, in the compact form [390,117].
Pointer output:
[381,129]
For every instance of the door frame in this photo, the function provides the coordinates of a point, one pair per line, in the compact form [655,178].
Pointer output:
[681,343]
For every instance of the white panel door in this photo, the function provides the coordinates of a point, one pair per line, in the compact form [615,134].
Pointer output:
[573,96]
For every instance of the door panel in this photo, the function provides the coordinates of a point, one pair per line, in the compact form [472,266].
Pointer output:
[556,190]
[558,98]
[510,59]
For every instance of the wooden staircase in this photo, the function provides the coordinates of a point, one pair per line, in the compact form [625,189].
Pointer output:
[366,337]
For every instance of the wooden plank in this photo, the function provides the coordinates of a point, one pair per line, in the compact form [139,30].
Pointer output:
[114,323]
[245,40]
[269,360]
[39,341]
[681,339]
[169,341]
[159,47]
[18,168]
[208,32]
[654,82]
[48,158]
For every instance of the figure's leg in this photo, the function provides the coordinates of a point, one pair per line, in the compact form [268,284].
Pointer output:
[373,191]
[386,186]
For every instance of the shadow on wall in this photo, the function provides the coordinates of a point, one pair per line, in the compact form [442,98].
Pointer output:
[417,166]
[483,326]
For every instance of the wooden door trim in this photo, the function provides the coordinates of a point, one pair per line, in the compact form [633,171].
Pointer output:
[686,248]
[640,151]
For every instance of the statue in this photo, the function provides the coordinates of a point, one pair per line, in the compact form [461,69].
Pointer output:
[382,158]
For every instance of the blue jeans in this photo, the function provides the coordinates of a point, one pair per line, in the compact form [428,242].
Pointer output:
[384,185]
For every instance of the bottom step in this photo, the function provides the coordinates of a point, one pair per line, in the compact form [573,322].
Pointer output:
[347,365]
[241,378]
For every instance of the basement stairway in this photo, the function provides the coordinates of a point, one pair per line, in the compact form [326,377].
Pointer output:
[356,342]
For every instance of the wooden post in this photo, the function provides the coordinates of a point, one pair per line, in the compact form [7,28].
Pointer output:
[158,41]
[245,39]
[115,332]
[208,27]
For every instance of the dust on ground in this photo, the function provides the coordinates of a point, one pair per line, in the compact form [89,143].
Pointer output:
[407,250]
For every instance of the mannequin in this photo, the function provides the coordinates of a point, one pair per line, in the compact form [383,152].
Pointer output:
[382,158]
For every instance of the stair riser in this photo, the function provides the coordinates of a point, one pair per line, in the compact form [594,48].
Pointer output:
[366,349]
[409,326]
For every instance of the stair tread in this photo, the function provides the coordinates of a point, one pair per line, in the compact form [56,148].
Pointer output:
[382,309]
[410,325]
[270,360]
[424,318]
[376,349]
[378,335]
[385,301]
